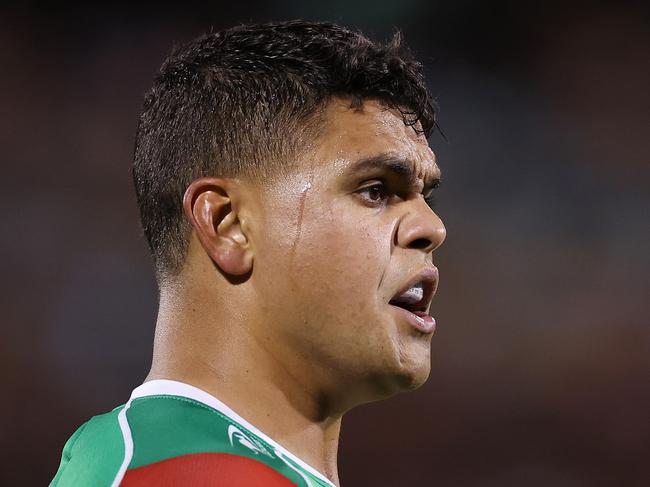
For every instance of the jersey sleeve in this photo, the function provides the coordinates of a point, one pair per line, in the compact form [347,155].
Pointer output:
[67,454]
[206,469]
[93,454]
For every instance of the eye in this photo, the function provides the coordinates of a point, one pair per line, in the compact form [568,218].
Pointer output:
[376,193]
[430,196]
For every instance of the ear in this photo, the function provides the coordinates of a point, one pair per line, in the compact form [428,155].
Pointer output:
[208,205]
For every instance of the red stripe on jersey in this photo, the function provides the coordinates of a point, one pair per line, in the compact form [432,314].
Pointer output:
[206,470]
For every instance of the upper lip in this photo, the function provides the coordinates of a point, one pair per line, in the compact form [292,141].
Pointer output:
[429,279]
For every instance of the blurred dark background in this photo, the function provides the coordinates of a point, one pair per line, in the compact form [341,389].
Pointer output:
[541,360]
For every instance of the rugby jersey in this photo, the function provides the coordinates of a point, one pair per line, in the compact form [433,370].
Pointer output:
[173,434]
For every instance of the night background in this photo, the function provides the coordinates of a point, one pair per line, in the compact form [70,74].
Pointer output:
[541,358]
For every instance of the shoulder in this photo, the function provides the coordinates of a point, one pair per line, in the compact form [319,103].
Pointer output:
[93,453]
[170,440]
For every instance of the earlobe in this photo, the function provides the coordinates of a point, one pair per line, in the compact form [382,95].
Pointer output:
[208,205]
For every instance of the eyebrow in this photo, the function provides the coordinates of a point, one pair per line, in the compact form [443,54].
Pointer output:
[395,164]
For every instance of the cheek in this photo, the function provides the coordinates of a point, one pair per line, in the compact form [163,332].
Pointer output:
[340,264]
[321,267]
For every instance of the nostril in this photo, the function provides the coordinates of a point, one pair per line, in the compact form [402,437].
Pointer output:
[420,243]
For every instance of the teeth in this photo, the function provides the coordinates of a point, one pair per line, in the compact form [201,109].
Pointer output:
[413,295]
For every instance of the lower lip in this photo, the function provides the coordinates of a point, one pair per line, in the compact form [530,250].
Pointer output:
[419,320]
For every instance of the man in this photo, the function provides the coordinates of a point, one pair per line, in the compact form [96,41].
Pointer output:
[284,181]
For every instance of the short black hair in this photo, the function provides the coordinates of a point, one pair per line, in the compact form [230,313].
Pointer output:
[236,103]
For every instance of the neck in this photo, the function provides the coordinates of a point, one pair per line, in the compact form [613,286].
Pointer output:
[193,348]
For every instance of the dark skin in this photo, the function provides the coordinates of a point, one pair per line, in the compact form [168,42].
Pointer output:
[281,309]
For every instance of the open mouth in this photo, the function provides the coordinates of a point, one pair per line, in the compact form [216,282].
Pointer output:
[415,299]
[411,300]
[417,294]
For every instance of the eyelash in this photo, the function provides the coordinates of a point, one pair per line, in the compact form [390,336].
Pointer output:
[429,199]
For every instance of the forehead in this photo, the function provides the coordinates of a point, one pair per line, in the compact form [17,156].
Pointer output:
[352,135]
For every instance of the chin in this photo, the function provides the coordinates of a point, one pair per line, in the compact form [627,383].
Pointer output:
[413,365]
[391,367]
[414,379]
[403,377]
[409,365]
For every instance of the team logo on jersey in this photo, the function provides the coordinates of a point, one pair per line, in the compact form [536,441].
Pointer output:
[253,444]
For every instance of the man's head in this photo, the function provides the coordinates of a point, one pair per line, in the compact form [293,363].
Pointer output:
[281,168]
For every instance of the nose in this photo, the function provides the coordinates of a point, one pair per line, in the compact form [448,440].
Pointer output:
[421,228]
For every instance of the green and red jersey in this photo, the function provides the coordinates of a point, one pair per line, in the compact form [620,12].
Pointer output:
[173,434]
